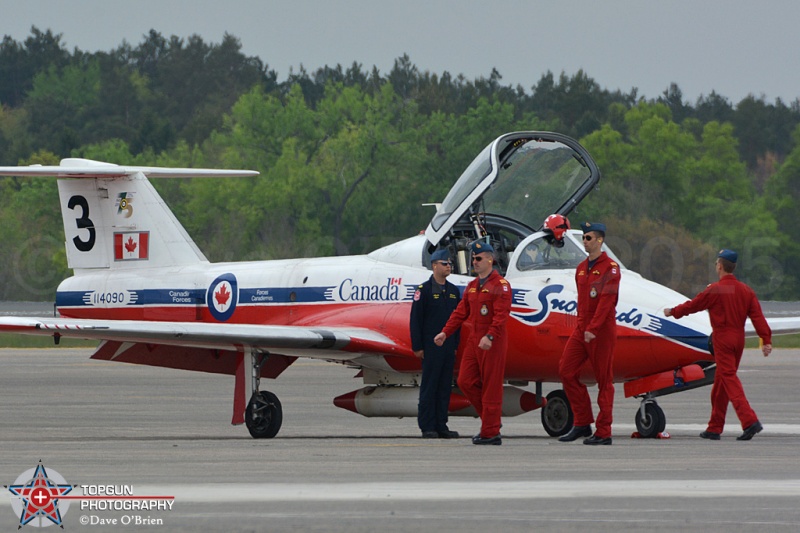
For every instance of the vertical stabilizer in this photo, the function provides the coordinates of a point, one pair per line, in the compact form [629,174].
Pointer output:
[115,219]
[121,223]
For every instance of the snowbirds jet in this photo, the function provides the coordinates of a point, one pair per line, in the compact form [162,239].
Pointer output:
[144,289]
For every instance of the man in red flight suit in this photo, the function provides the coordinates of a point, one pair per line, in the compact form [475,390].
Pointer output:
[729,303]
[485,306]
[597,279]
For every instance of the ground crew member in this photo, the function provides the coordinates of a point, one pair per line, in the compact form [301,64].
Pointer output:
[434,302]
[597,279]
[729,302]
[485,307]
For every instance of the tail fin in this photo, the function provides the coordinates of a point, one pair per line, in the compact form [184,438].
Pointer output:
[114,218]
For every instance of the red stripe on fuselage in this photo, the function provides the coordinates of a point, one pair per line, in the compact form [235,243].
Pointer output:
[533,354]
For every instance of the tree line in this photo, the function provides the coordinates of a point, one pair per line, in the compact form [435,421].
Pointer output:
[347,156]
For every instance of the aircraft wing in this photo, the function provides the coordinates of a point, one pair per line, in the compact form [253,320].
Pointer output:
[779,326]
[330,343]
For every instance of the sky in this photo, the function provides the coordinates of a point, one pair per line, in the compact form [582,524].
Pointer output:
[733,47]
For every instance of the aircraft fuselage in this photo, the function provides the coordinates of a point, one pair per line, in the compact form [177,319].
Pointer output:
[360,291]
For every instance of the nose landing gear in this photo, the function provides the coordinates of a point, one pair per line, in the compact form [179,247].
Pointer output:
[650,419]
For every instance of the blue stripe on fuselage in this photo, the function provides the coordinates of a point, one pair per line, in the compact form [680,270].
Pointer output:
[678,333]
[272,295]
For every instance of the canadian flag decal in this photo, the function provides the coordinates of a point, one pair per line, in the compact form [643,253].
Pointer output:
[131,246]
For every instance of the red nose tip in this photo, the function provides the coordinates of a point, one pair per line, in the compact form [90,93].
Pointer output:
[347,401]
[527,402]
[457,402]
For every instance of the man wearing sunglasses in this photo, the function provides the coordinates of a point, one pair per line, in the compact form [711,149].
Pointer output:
[485,307]
[597,279]
[434,302]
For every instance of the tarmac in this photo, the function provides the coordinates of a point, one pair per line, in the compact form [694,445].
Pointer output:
[159,433]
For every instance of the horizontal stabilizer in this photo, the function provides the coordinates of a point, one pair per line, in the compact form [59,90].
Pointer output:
[87,168]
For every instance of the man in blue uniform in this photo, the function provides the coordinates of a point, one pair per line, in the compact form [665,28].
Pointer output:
[434,301]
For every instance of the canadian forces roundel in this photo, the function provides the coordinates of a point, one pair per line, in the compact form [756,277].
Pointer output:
[222,296]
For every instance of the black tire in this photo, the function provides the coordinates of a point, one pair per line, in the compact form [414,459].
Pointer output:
[654,421]
[264,415]
[557,414]
[663,425]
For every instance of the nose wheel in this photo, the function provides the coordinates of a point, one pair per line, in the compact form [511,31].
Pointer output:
[650,419]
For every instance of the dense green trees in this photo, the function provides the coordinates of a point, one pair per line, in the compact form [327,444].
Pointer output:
[347,156]
[692,185]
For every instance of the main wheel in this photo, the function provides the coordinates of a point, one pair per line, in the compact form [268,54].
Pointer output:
[654,421]
[556,414]
[264,415]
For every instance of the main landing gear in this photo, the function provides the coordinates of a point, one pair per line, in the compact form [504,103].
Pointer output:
[264,414]
[556,414]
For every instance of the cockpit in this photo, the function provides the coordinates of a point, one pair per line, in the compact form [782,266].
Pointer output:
[504,196]
[541,254]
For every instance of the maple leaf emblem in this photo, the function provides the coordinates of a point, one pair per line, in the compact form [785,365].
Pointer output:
[130,246]
[222,296]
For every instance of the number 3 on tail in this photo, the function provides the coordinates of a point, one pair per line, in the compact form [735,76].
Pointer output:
[83,222]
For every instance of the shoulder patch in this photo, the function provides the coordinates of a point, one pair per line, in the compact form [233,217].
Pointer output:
[613,263]
[503,281]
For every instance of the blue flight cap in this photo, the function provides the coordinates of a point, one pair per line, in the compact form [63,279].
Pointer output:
[440,255]
[478,247]
[729,255]
[593,226]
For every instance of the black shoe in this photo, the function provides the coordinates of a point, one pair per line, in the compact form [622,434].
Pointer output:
[478,434]
[494,441]
[430,435]
[750,432]
[594,440]
[710,435]
[447,434]
[575,433]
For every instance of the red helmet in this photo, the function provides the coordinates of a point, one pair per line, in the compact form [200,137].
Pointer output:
[557,225]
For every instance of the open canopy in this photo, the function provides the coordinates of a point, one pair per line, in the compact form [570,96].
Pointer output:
[522,177]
